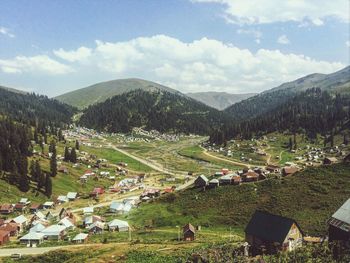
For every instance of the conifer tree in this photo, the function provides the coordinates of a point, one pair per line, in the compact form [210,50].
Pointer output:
[73,156]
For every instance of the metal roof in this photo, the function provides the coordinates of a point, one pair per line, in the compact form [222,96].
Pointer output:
[81,236]
[20,219]
[343,213]
[32,236]
[118,223]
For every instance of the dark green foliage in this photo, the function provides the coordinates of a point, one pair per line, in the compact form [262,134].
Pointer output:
[53,159]
[34,110]
[159,110]
[77,146]
[23,183]
[299,113]
[66,154]
[73,156]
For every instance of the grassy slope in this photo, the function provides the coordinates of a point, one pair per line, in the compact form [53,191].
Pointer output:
[310,197]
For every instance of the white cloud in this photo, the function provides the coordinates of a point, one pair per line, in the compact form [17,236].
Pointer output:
[200,65]
[35,64]
[270,11]
[283,39]
[203,64]
[347,43]
[81,54]
[6,32]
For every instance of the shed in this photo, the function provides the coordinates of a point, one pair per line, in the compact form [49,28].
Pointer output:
[80,238]
[118,225]
[339,224]
[272,233]
[201,181]
[189,232]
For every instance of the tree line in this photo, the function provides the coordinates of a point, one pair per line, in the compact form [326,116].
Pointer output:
[311,112]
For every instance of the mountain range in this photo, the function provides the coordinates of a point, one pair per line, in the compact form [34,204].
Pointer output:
[219,100]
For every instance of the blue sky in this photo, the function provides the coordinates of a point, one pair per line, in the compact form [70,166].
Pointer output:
[51,47]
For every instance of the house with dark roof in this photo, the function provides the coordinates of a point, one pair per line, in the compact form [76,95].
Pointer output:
[189,232]
[289,170]
[268,233]
[201,181]
[339,224]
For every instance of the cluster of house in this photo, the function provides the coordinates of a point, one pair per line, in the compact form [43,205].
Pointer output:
[227,177]
[39,226]
[269,233]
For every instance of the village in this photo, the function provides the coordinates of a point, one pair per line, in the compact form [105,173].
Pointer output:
[116,190]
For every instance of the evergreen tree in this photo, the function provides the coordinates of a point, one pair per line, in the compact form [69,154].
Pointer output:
[23,183]
[290,145]
[53,160]
[77,146]
[66,154]
[48,185]
[73,156]
[295,142]
[32,171]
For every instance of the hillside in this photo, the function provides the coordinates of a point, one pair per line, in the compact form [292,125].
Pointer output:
[310,197]
[337,82]
[157,109]
[100,92]
[29,108]
[219,100]
[301,113]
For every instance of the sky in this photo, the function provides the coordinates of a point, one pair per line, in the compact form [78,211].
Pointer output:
[236,46]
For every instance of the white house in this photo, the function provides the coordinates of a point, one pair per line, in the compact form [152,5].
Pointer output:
[66,223]
[88,210]
[72,196]
[55,232]
[118,225]
[48,205]
[32,238]
[37,228]
[80,238]
[21,221]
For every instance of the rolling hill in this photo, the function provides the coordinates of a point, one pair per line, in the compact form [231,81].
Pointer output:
[152,109]
[100,92]
[219,100]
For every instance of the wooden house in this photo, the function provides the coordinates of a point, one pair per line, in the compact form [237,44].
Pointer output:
[268,233]
[213,183]
[273,168]
[6,209]
[10,227]
[250,176]
[189,232]
[289,170]
[339,224]
[329,160]
[201,181]
[34,208]
[4,237]
[97,191]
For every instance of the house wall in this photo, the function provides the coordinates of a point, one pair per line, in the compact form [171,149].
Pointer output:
[335,233]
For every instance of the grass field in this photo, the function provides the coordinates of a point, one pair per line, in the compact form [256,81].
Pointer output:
[310,197]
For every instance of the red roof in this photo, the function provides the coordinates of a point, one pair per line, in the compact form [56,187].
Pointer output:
[6,207]
[98,190]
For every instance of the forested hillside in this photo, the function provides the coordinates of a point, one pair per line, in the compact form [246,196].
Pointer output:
[337,82]
[33,109]
[159,110]
[14,150]
[310,112]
